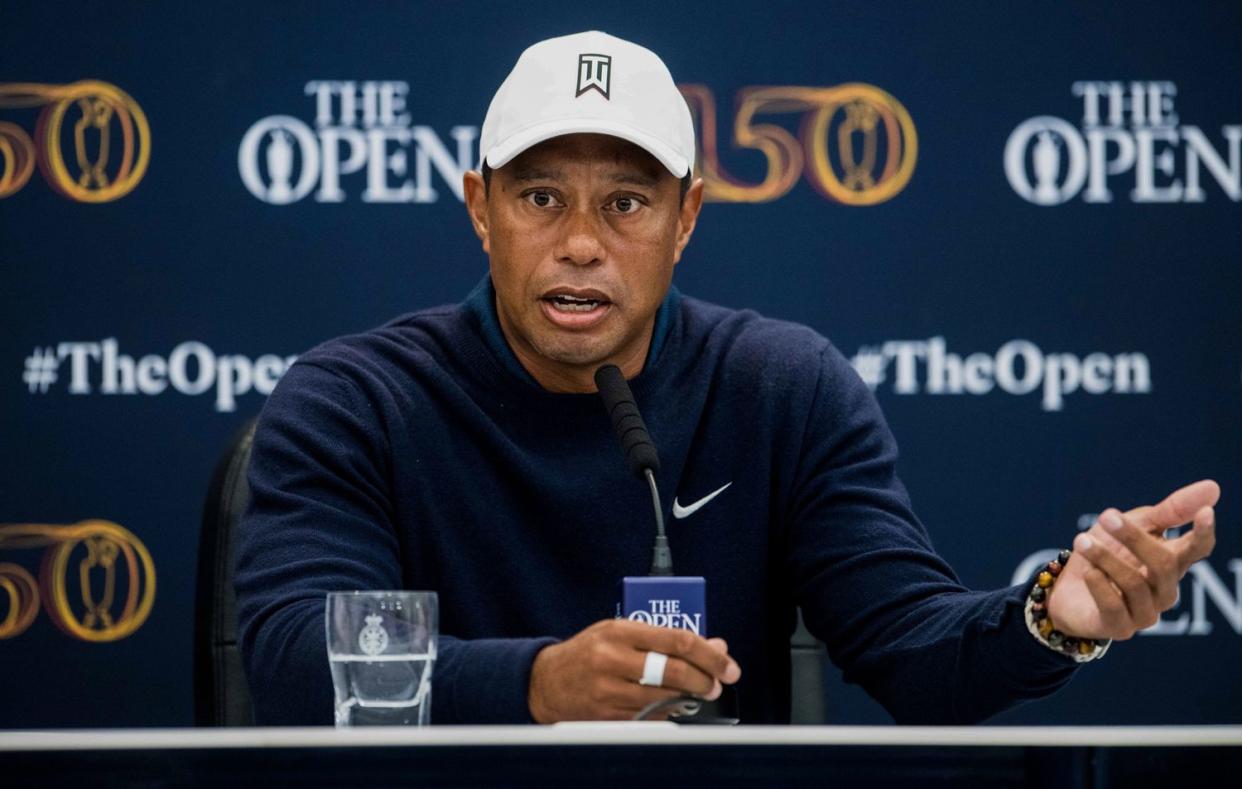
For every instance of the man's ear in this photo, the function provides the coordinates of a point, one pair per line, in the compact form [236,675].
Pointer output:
[688,216]
[476,205]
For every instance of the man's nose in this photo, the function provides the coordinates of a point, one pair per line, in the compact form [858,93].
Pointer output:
[581,239]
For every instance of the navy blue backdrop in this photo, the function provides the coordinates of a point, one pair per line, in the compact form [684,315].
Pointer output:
[1021,223]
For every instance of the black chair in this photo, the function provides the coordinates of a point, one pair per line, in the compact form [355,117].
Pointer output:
[221,695]
[808,659]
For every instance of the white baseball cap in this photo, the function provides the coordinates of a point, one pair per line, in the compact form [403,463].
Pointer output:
[589,82]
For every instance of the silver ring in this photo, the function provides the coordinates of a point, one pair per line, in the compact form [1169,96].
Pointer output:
[653,669]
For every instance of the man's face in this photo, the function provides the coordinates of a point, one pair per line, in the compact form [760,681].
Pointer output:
[583,232]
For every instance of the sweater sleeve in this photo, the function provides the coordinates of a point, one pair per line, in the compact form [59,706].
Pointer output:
[893,614]
[320,519]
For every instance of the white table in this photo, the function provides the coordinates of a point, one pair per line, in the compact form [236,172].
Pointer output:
[628,754]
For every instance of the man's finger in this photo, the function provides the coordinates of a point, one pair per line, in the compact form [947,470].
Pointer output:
[1197,543]
[1113,544]
[1159,561]
[1135,590]
[678,675]
[1113,612]
[1179,506]
[687,646]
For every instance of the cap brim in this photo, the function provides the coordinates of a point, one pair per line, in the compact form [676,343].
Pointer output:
[504,152]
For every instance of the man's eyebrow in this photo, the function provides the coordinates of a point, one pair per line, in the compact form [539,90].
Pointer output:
[533,174]
[638,179]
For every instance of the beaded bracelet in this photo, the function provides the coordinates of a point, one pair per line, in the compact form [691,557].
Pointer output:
[1040,625]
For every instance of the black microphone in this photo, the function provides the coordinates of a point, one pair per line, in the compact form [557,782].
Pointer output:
[640,451]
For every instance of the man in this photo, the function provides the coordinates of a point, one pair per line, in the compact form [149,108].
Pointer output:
[463,449]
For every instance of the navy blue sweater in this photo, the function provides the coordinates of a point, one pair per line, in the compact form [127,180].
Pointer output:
[421,455]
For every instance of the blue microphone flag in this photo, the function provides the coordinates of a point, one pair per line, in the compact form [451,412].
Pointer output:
[679,601]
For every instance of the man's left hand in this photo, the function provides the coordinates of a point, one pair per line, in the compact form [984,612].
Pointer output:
[1123,574]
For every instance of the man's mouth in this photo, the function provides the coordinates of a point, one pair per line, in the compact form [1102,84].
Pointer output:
[574,308]
[566,303]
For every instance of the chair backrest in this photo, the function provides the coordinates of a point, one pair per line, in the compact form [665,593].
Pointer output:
[221,695]
[808,658]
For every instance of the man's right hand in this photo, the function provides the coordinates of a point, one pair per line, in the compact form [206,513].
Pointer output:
[594,675]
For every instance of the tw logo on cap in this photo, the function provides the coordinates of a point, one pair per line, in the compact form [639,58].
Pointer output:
[594,73]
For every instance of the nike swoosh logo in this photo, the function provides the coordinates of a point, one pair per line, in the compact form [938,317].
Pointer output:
[680,512]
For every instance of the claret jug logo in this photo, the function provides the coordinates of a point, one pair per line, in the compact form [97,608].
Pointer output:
[856,144]
[1129,133]
[91,140]
[96,580]
[360,128]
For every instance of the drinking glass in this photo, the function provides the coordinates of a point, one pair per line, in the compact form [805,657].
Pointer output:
[382,648]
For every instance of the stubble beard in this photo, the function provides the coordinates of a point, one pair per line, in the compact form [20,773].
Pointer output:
[574,351]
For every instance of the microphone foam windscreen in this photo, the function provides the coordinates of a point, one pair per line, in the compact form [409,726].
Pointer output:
[627,422]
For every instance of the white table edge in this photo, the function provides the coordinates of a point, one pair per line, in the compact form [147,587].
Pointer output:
[619,734]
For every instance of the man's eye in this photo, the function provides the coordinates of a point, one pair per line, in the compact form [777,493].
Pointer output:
[541,199]
[626,205]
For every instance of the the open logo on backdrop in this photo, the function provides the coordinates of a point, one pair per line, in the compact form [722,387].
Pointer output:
[360,127]
[91,141]
[856,144]
[1129,133]
[96,580]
